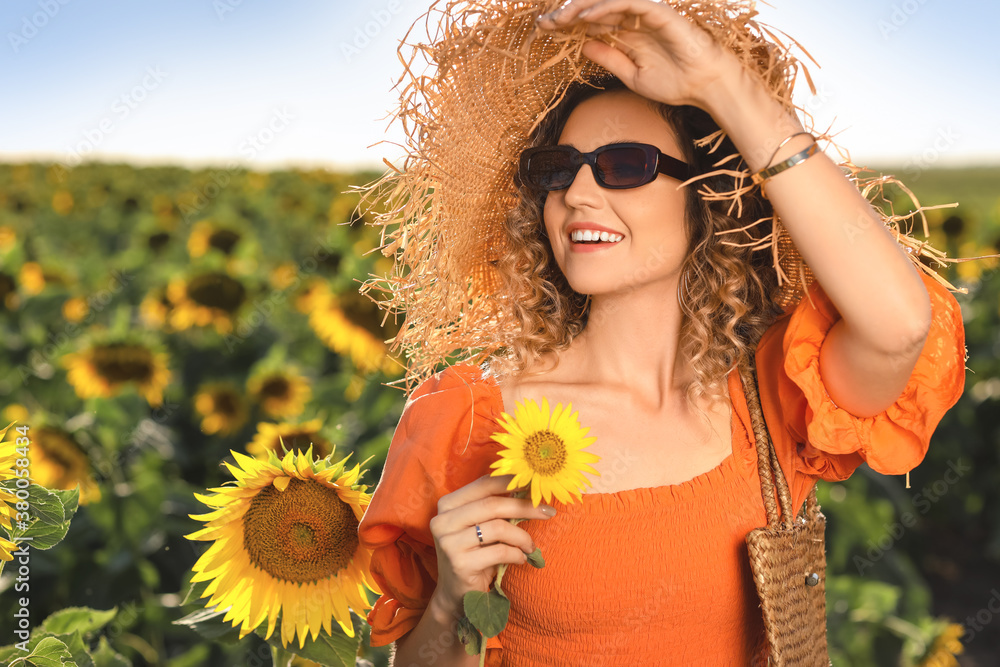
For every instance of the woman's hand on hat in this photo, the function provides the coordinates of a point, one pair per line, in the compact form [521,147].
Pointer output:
[658,53]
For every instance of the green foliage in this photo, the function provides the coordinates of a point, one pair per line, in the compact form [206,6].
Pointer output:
[113,237]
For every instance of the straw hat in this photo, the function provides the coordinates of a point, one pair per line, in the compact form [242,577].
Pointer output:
[491,76]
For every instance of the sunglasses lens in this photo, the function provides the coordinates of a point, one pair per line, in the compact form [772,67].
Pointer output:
[623,167]
[550,170]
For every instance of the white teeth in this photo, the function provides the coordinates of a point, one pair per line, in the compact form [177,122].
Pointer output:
[579,236]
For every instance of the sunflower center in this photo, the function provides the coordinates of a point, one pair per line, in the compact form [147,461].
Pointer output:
[224,240]
[300,441]
[545,452]
[275,387]
[226,403]
[217,290]
[118,362]
[303,534]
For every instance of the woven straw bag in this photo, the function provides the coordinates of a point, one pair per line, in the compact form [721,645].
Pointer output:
[787,558]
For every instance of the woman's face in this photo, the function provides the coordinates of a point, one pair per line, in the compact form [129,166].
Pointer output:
[649,219]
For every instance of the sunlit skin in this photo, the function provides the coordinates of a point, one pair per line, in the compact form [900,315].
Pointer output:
[649,217]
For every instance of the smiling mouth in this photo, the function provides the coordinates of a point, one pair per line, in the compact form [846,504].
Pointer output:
[589,237]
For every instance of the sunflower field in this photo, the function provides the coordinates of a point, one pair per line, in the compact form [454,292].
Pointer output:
[196,404]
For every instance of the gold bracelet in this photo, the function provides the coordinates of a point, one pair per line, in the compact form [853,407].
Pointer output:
[801,156]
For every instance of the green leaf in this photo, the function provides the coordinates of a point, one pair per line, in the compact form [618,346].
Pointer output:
[193,593]
[78,649]
[487,611]
[43,535]
[468,635]
[70,500]
[336,650]
[105,656]
[78,619]
[50,652]
[46,506]
[209,624]
[536,559]
[49,512]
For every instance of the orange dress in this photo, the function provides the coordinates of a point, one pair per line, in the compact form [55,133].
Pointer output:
[656,575]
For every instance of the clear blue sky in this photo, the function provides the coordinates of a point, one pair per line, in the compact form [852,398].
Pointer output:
[191,81]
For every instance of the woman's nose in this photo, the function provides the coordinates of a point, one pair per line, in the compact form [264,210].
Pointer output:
[584,189]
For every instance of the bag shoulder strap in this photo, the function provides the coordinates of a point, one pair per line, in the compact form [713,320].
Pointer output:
[771,476]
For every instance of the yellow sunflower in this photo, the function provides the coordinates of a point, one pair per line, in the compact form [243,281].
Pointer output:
[945,647]
[283,275]
[155,308]
[75,309]
[313,293]
[206,235]
[8,455]
[277,438]
[58,462]
[103,370]
[545,450]
[281,393]
[62,202]
[8,237]
[32,278]
[350,325]
[207,299]
[285,540]
[222,407]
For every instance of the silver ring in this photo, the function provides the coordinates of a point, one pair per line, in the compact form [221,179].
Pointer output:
[479,534]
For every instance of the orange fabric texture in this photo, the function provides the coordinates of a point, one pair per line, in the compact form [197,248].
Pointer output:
[643,573]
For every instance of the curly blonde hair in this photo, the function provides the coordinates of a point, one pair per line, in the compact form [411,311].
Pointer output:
[728,291]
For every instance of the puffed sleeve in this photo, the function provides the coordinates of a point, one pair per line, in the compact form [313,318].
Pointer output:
[440,444]
[816,439]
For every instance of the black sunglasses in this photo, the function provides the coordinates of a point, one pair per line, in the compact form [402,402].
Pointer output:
[615,166]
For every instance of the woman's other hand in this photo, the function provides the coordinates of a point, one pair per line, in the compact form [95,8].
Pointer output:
[658,53]
[463,563]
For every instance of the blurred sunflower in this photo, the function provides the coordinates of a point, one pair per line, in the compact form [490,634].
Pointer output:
[350,325]
[206,235]
[222,407]
[9,299]
[59,462]
[105,368]
[283,275]
[285,540]
[8,455]
[315,291]
[155,308]
[281,393]
[8,238]
[544,450]
[207,299]
[945,647]
[971,271]
[278,438]
[62,202]
[32,278]
[164,209]
[157,241]
[14,412]
[75,309]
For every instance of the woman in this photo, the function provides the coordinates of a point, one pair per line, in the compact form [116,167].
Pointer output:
[641,326]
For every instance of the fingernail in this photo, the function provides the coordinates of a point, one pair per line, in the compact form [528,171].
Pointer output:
[547,511]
